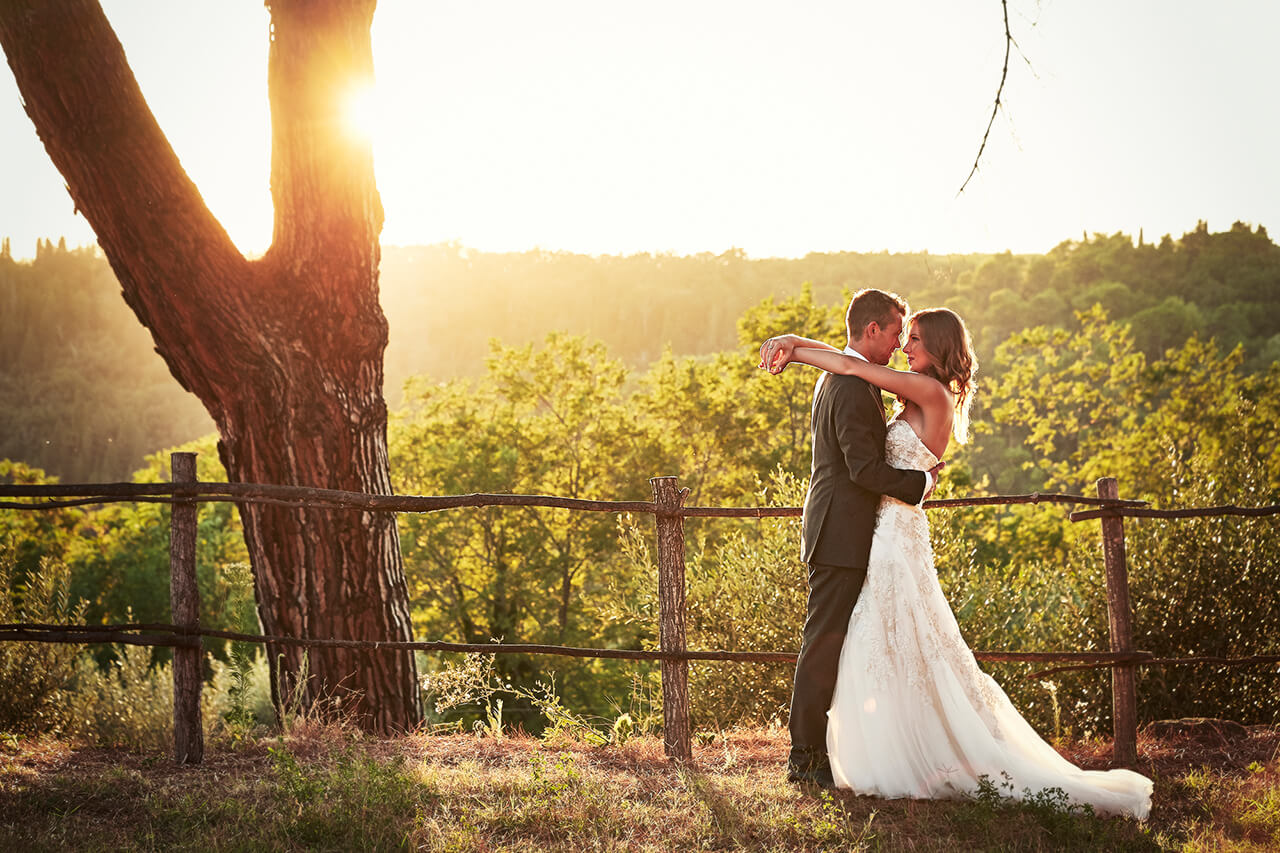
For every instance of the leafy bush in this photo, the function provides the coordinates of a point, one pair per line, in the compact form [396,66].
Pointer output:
[36,676]
[59,688]
[1207,587]
[129,703]
[746,592]
[1189,429]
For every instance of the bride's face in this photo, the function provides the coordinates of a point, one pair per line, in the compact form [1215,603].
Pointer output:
[918,358]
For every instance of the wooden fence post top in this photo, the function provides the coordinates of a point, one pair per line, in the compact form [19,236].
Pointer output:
[667,485]
[667,493]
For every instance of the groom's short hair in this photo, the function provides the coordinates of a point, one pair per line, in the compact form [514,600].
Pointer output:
[873,306]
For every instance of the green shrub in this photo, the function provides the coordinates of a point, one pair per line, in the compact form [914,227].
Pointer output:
[129,704]
[1207,587]
[36,676]
[745,593]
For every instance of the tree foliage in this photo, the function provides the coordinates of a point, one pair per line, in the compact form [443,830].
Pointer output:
[1061,403]
[547,421]
[1188,429]
[83,396]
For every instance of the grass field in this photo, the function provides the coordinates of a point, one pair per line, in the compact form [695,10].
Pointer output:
[329,788]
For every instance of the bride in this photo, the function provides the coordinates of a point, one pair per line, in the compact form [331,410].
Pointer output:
[912,714]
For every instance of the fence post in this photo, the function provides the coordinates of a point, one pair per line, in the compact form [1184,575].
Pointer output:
[184,605]
[1124,695]
[668,498]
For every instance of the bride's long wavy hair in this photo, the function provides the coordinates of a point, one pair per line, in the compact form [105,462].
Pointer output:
[946,339]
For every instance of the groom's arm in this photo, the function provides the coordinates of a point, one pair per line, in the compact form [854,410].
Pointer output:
[853,407]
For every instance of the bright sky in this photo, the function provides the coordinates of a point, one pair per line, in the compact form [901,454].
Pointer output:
[703,125]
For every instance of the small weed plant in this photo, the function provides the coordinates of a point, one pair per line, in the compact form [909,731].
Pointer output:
[474,686]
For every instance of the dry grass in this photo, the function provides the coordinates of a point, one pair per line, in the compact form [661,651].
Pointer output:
[329,788]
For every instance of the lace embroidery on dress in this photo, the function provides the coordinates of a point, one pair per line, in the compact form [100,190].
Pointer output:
[919,626]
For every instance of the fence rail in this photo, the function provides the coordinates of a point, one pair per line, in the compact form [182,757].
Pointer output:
[186,635]
[1118,511]
[160,633]
[198,492]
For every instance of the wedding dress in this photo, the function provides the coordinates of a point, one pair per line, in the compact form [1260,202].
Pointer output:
[912,714]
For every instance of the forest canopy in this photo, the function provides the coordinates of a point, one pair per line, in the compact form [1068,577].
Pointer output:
[83,396]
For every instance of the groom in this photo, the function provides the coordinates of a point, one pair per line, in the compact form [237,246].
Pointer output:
[848,477]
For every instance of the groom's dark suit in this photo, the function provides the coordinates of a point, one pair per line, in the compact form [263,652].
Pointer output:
[849,475]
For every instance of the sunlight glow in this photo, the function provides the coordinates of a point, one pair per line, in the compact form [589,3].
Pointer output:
[600,128]
[361,112]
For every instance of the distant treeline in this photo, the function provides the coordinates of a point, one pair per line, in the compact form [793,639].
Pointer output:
[445,301]
[82,392]
[84,396]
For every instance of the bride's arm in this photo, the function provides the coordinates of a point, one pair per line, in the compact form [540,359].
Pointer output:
[924,391]
[778,350]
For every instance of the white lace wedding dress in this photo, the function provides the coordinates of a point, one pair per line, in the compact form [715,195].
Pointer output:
[913,715]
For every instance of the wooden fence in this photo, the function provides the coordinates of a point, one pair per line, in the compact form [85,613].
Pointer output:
[184,634]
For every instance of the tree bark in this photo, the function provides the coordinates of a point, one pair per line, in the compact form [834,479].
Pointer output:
[285,352]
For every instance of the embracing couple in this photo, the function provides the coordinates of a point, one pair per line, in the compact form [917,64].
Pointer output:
[888,699]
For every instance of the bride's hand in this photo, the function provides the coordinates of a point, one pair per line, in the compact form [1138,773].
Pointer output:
[936,473]
[775,353]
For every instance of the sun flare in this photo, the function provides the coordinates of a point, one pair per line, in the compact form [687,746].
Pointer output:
[361,111]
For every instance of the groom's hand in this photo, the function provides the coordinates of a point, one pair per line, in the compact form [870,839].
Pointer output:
[934,473]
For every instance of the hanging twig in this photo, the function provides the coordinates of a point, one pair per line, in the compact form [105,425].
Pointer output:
[995,109]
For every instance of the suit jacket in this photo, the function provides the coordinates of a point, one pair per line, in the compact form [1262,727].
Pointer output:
[849,473]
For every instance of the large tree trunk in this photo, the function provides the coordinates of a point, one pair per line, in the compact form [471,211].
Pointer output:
[285,352]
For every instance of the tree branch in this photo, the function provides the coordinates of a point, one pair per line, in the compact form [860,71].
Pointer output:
[995,109]
[123,175]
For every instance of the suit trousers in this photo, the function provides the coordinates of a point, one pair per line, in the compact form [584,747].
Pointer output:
[833,590]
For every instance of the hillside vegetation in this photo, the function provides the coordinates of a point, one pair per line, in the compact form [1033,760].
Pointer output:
[83,396]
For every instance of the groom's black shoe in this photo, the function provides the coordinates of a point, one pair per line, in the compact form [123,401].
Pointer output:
[820,776]
[805,769]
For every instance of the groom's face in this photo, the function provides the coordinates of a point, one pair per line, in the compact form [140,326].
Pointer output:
[882,341]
